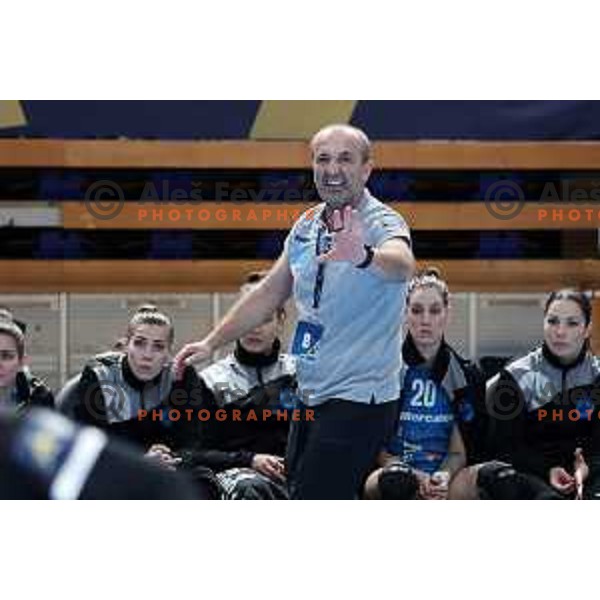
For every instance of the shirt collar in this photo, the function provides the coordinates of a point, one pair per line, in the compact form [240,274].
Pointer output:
[555,361]
[255,359]
[366,197]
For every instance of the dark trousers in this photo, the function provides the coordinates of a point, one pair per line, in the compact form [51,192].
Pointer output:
[329,458]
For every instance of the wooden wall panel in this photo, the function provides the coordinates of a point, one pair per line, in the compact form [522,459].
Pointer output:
[115,276]
[248,154]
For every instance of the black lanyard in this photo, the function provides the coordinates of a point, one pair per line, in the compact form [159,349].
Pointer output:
[318,289]
[320,278]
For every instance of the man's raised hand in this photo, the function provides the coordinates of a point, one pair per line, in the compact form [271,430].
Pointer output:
[348,237]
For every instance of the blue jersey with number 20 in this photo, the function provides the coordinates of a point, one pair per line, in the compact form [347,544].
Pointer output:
[425,422]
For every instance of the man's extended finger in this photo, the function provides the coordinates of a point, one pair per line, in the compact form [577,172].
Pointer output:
[181,361]
[194,358]
[349,214]
[177,370]
[184,353]
[336,220]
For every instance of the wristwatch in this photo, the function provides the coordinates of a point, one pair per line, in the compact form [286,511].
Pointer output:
[368,259]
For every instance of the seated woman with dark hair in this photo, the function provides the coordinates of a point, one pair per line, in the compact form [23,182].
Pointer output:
[253,393]
[544,425]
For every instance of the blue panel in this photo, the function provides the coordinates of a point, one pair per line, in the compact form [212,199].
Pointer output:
[492,119]
[190,119]
[233,119]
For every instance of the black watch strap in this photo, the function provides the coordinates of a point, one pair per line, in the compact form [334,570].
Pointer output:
[368,259]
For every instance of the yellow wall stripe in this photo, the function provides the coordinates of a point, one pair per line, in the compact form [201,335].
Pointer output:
[11,114]
[298,119]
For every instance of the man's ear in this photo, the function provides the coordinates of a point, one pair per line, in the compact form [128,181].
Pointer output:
[367,169]
[26,360]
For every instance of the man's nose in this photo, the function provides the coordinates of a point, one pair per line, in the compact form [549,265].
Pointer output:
[332,168]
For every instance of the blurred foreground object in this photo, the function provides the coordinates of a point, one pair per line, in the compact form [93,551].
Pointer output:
[45,456]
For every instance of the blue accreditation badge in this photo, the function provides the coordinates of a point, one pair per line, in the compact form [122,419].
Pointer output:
[306,340]
[584,406]
[466,410]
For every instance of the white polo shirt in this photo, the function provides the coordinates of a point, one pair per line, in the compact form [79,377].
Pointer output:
[349,334]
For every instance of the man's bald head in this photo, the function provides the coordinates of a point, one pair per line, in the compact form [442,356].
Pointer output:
[360,138]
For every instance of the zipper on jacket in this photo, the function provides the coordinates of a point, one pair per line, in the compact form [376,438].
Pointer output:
[259,376]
